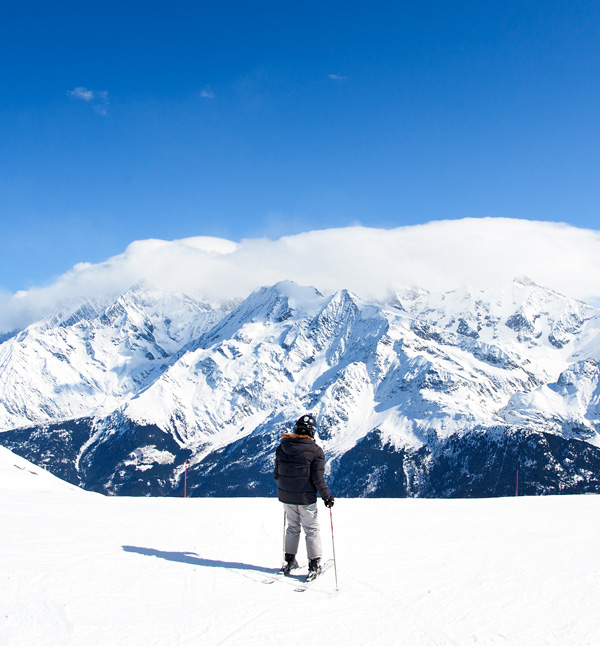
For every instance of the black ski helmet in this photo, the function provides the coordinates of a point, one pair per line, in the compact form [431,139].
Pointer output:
[306,425]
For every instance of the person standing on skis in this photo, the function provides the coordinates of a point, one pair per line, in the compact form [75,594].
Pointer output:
[299,474]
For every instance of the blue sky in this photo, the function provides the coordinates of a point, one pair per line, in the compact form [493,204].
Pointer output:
[122,121]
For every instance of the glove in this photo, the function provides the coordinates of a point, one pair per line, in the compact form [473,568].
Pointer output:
[328,501]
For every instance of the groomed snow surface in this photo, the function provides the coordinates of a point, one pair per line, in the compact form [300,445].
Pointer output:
[78,568]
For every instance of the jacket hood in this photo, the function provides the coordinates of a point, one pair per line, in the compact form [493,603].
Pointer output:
[295,436]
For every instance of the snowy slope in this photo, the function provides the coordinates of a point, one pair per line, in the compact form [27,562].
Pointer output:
[123,395]
[82,569]
[18,475]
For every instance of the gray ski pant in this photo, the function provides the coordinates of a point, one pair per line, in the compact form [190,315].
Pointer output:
[302,517]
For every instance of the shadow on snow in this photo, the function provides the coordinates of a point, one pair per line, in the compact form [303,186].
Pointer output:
[192,558]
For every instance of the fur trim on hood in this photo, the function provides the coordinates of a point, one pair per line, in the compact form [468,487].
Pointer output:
[295,435]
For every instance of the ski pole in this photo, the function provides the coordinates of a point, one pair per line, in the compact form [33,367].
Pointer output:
[333,545]
[284,522]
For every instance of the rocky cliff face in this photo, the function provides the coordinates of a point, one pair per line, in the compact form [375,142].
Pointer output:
[424,395]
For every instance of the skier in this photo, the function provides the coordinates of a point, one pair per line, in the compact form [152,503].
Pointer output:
[299,469]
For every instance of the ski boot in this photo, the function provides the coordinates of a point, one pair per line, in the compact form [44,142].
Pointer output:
[289,565]
[314,569]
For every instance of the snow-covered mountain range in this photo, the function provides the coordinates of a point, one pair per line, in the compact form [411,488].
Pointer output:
[421,395]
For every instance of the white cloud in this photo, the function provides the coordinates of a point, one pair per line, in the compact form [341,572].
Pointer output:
[438,256]
[81,93]
[98,99]
[207,93]
[336,77]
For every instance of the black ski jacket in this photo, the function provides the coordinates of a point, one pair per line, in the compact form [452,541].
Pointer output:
[299,469]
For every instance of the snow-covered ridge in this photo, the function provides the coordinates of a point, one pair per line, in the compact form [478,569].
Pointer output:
[88,358]
[413,372]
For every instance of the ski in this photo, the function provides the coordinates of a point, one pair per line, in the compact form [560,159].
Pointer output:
[280,576]
[312,579]
[275,577]
[301,586]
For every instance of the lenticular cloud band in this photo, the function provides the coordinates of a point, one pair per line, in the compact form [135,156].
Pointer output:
[438,256]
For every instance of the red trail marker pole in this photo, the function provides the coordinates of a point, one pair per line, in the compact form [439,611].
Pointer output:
[185,482]
[517,483]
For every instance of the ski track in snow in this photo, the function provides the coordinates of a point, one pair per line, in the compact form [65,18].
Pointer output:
[79,569]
